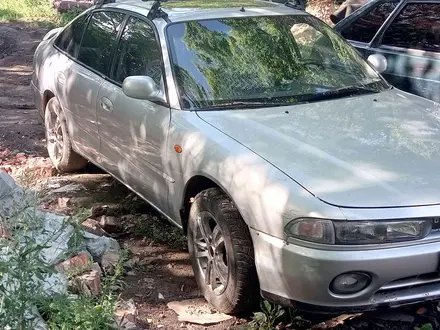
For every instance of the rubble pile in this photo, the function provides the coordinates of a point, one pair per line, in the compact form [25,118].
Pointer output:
[27,166]
[80,257]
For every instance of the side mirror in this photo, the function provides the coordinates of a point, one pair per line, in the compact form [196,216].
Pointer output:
[379,62]
[142,88]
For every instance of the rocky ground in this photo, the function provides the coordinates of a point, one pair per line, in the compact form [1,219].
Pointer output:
[158,270]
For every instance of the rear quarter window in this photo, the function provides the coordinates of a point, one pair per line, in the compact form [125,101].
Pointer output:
[70,38]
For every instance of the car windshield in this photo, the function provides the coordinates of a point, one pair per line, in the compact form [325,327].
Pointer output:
[246,62]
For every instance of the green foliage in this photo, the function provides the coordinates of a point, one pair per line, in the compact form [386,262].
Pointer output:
[214,4]
[427,326]
[65,313]
[24,271]
[268,318]
[40,12]
[153,229]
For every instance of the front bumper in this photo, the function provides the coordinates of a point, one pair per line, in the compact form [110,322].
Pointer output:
[300,276]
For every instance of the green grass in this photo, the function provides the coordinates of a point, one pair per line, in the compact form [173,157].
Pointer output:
[40,12]
[214,4]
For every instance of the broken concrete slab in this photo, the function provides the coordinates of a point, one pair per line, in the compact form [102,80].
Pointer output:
[197,311]
[58,232]
[98,246]
[7,184]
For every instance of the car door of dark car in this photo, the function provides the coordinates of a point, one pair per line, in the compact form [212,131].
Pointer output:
[363,25]
[411,44]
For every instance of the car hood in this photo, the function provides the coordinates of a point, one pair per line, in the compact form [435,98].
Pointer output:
[375,150]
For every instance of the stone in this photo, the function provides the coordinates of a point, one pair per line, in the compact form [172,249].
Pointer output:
[75,265]
[97,245]
[54,284]
[92,226]
[69,188]
[7,184]
[109,262]
[39,167]
[37,322]
[63,202]
[58,231]
[4,232]
[99,210]
[197,311]
[126,310]
[109,224]
[88,283]
[124,324]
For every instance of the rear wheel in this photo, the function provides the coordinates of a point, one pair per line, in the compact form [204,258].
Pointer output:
[222,253]
[58,142]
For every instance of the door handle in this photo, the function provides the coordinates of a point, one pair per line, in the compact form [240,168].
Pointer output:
[106,104]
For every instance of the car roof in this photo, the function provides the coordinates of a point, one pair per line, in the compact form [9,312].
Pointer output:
[201,9]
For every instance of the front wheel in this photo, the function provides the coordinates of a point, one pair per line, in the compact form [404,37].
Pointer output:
[58,142]
[222,253]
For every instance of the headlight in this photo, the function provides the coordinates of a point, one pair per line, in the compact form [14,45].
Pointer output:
[358,232]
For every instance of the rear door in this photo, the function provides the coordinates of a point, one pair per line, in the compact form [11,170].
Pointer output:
[80,76]
[133,132]
[411,44]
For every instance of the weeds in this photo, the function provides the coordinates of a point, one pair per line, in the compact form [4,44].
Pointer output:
[40,12]
[268,318]
[272,315]
[32,293]
[158,231]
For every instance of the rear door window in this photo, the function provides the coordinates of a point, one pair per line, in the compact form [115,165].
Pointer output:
[100,39]
[365,27]
[70,39]
[417,27]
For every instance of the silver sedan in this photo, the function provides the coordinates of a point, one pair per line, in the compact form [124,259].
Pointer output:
[295,170]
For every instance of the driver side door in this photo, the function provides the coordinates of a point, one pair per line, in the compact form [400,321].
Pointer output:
[133,132]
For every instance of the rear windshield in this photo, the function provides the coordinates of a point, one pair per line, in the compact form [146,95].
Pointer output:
[264,61]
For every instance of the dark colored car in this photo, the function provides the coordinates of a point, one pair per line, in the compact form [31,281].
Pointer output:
[407,33]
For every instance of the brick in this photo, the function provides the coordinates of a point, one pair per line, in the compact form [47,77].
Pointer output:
[109,224]
[88,283]
[77,264]
[93,227]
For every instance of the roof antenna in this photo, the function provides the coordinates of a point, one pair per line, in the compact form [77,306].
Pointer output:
[242,9]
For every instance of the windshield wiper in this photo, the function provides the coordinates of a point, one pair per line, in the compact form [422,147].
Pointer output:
[242,105]
[336,93]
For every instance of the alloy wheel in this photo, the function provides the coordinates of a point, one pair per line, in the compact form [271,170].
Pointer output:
[210,253]
[54,134]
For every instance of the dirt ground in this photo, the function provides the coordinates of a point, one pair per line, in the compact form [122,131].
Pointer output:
[160,270]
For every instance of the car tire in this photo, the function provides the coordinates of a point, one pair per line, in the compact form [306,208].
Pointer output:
[222,253]
[58,141]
